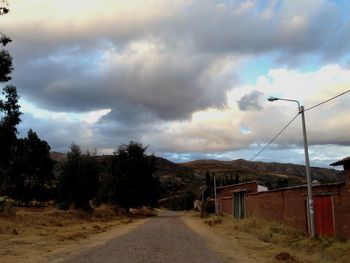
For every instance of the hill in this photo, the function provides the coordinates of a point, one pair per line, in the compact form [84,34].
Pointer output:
[273,175]
[177,178]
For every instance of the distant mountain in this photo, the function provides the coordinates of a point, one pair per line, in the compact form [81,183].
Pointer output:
[176,178]
[57,156]
[274,175]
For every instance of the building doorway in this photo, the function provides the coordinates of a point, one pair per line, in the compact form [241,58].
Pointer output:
[324,216]
[239,205]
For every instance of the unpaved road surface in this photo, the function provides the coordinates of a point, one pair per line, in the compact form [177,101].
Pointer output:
[161,239]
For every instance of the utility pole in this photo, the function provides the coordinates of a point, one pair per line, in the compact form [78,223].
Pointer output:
[308,176]
[216,205]
[310,202]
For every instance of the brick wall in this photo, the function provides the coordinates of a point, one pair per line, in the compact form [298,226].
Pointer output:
[283,206]
[288,205]
[342,209]
[226,205]
[224,194]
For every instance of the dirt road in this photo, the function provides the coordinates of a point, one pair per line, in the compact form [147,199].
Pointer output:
[161,239]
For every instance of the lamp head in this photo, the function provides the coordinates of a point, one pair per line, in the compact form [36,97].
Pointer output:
[271,99]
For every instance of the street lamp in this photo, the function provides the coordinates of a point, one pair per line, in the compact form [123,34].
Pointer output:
[307,166]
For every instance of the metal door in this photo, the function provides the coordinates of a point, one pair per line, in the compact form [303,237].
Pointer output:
[238,205]
[324,217]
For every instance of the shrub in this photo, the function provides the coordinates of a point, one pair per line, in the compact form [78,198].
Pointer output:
[212,221]
[6,207]
[208,207]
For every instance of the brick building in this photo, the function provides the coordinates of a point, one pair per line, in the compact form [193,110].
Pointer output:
[289,205]
[231,198]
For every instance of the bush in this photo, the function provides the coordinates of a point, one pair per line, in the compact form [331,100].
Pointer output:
[6,207]
[212,221]
[208,207]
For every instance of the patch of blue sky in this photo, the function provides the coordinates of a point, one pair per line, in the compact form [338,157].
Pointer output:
[263,4]
[261,65]
[345,61]
[245,130]
[344,7]
[255,67]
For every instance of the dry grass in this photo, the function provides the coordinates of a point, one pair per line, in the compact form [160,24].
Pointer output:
[256,240]
[35,232]
[143,212]
[213,220]
[333,250]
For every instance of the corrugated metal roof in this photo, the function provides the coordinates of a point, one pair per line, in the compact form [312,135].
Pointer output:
[341,162]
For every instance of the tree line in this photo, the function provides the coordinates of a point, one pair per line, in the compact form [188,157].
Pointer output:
[26,169]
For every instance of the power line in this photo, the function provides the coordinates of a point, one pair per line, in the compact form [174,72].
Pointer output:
[285,127]
[319,104]
[274,138]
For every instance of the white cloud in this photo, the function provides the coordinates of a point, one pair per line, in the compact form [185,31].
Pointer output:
[166,72]
[225,129]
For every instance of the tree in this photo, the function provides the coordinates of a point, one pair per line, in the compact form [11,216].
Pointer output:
[209,183]
[132,180]
[78,182]
[9,108]
[31,174]
[5,57]
[10,118]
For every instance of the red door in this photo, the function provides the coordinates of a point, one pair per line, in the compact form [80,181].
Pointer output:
[324,219]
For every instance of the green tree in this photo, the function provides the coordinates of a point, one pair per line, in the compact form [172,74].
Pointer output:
[31,173]
[132,181]
[78,182]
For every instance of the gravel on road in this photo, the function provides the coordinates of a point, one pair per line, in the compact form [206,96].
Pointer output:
[162,239]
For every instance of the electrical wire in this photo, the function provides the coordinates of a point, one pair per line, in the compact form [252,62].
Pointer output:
[319,104]
[289,123]
[274,138]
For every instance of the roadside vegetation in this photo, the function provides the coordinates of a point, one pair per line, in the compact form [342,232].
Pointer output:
[277,242]
[34,234]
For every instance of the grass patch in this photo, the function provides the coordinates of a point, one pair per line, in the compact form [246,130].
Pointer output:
[36,231]
[324,249]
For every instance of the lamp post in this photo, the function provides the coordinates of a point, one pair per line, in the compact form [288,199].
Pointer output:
[307,166]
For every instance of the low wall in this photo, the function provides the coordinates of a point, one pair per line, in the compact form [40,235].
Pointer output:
[226,205]
[284,206]
[288,206]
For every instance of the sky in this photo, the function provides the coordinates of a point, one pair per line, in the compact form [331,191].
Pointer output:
[188,78]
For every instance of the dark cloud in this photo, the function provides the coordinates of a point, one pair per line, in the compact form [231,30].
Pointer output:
[251,101]
[159,85]
[97,65]
[151,70]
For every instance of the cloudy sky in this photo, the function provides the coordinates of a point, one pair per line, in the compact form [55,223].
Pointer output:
[190,78]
